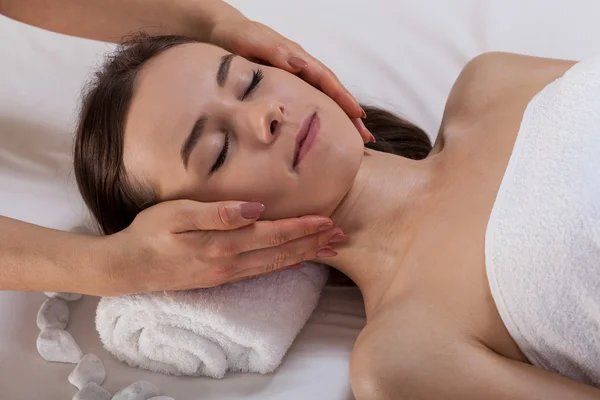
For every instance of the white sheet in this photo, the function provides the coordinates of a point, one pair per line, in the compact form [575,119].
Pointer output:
[401,54]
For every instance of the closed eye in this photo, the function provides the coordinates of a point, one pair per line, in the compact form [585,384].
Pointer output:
[222,156]
[257,76]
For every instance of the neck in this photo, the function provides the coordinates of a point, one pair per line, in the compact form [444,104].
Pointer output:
[380,214]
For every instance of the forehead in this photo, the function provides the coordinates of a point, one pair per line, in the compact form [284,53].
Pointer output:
[169,94]
[179,74]
[179,61]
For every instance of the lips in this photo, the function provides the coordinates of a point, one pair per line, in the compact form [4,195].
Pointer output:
[306,137]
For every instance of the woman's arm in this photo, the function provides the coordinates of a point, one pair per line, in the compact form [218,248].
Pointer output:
[111,20]
[501,378]
[431,365]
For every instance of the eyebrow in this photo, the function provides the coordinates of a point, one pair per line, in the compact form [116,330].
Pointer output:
[192,139]
[224,69]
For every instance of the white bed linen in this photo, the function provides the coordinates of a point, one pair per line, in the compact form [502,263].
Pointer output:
[401,54]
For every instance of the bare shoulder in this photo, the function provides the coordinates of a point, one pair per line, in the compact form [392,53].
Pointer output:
[411,352]
[494,77]
[399,350]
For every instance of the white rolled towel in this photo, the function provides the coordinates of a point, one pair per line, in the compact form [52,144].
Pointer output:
[246,326]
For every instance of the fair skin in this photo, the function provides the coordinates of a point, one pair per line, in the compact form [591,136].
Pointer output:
[174,238]
[416,228]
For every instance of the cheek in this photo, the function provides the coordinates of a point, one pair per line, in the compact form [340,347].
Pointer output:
[292,90]
[257,180]
[241,183]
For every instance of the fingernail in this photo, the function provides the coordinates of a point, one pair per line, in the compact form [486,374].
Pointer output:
[251,210]
[326,252]
[364,128]
[337,238]
[297,62]
[324,227]
[364,114]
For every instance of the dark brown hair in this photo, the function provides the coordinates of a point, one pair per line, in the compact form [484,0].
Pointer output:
[113,198]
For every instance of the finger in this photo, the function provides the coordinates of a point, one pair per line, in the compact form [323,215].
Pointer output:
[265,234]
[269,269]
[189,215]
[365,134]
[288,253]
[261,42]
[267,261]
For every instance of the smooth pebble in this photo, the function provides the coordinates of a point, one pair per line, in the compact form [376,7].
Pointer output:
[140,390]
[92,391]
[54,313]
[89,369]
[57,345]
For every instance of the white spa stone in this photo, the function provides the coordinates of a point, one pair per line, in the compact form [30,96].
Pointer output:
[54,313]
[89,369]
[140,390]
[58,345]
[92,391]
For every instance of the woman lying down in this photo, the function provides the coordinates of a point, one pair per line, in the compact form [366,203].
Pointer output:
[477,257]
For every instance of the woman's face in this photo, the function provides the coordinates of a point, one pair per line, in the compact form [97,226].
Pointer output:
[209,126]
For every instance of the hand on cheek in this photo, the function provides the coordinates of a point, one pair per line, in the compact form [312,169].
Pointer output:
[366,136]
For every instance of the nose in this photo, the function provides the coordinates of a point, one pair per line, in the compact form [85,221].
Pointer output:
[263,120]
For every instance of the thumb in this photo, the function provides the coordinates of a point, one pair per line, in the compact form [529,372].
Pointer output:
[224,215]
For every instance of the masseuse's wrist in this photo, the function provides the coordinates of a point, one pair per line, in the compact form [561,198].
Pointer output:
[88,265]
[85,266]
[109,258]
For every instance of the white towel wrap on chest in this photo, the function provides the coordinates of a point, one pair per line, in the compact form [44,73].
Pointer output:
[543,237]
